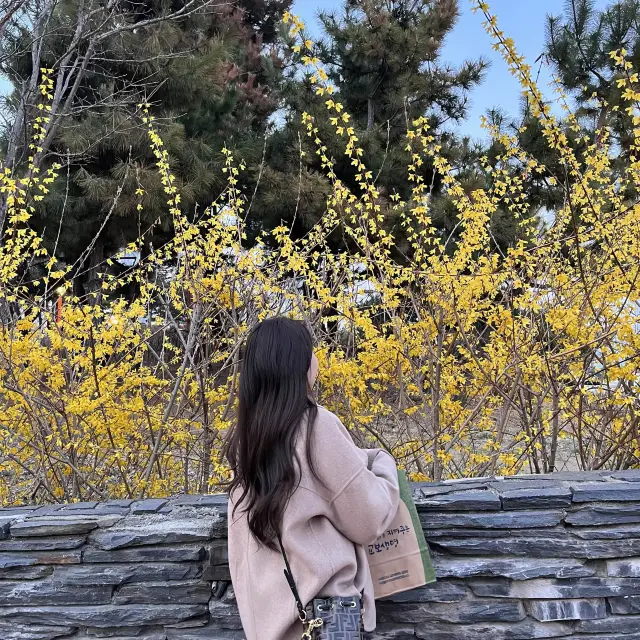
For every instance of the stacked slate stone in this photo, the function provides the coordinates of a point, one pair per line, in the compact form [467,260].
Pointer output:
[124,570]
[527,557]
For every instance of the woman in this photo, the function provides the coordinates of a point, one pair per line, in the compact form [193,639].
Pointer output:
[298,475]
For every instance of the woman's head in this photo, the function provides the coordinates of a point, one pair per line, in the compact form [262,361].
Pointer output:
[278,371]
[278,356]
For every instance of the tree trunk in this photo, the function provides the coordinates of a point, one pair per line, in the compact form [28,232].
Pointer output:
[96,263]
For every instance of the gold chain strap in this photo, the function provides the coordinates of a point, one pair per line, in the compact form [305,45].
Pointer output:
[315,623]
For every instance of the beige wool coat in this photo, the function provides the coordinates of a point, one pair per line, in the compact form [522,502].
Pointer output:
[327,525]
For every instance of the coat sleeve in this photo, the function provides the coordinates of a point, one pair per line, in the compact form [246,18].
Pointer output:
[367,501]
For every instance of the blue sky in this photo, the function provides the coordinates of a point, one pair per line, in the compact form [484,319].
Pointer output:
[523,20]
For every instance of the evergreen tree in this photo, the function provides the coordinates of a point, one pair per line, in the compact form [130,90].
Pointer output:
[543,193]
[212,79]
[384,59]
[579,44]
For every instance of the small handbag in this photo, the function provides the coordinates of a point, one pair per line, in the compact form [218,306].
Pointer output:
[333,618]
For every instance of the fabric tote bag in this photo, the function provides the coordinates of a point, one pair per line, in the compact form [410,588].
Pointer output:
[399,559]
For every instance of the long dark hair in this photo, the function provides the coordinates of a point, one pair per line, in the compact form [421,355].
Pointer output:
[273,402]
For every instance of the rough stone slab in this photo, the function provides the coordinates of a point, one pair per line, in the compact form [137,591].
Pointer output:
[576,609]
[421,491]
[200,511]
[195,553]
[215,573]
[26,573]
[43,544]
[192,623]
[597,515]
[52,527]
[118,574]
[502,486]
[560,476]
[434,534]
[75,506]
[544,589]
[218,552]
[229,596]
[536,498]
[5,524]
[103,616]
[151,505]
[10,631]
[525,630]
[100,518]
[465,612]
[630,475]
[612,624]
[555,533]
[153,635]
[629,568]
[225,615]
[115,632]
[392,632]
[10,560]
[461,501]
[174,592]
[499,520]
[50,592]
[606,492]
[441,591]
[112,510]
[190,500]
[126,502]
[607,636]
[214,500]
[457,483]
[46,510]
[106,521]
[540,547]
[627,605]
[622,532]
[7,516]
[142,531]
[521,569]
[93,513]
[211,632]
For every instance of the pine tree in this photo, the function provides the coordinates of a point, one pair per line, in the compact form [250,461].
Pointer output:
[212,79]
[384,59]
[579,44]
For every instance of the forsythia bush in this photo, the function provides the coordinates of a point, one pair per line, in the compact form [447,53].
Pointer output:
[462,362]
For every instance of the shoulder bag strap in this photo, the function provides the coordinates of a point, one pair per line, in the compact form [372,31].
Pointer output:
[292,584]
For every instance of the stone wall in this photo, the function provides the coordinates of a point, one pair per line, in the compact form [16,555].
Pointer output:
[520,558]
